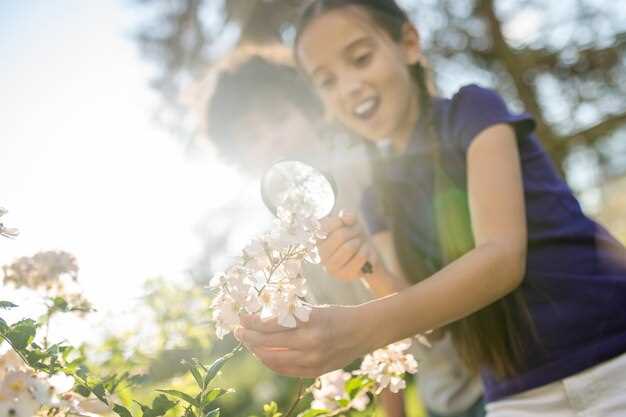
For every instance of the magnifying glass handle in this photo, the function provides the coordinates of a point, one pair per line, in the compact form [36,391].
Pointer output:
[367,268]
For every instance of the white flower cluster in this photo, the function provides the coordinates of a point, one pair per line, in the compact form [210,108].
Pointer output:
[329,392]
[24,392]
[267,278]
[387,366]
[7,231]
[384,368]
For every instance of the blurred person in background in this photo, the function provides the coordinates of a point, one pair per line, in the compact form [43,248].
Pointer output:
[260,111]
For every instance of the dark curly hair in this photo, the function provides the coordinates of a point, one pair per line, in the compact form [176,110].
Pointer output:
[256,83]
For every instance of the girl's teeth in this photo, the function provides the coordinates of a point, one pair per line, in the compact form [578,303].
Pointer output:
[364,107]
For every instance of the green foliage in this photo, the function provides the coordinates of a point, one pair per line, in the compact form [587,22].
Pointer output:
[118,386]
[160,405]
[121,411]
[354,385]
[6,305]
[183,396]
[271,410]
[21,334]
[313,412]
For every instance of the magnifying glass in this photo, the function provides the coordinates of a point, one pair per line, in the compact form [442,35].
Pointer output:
[318,187]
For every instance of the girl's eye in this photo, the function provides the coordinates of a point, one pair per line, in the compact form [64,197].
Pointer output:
[362,59]
[326,83]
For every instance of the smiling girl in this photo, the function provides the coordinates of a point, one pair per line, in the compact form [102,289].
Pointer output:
[495,245]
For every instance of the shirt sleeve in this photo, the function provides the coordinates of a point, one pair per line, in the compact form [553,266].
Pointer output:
[372,212]
[475,108]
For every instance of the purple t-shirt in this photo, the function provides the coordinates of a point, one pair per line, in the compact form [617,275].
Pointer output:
[575,281]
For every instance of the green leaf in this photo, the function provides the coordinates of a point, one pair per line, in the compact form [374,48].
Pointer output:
[60,304]
[100,392]
[270,409]
[82,390]
[213,413]
[22,333]
[354,385]
[183,396]
[214,394]
[313,412]
[162,404]
[215,368]
[121,411]
[198,364]
[343,402]
[4,327]
[6,305]
[145,410]
[196,375]
[82,371]
[189,412]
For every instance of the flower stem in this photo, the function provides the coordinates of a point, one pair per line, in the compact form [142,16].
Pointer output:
[298,397]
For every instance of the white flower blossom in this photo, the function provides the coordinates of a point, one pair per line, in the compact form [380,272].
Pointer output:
[225,314]
[387,366]
[23,405]
[267,278]
[330,389]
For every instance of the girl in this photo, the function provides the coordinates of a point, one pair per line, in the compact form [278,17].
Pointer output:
[499,251]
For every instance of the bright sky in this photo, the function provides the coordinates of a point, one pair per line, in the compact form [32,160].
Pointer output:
[83,168]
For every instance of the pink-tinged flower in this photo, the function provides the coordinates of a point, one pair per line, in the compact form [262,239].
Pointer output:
[292,309]
[225,314]
[387,366]
[330,388]
[61,383]
[267,278]
[23,405]
[15,383]
[256,255]
[11,361]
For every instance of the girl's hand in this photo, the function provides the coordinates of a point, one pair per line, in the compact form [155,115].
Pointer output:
[346,248]
[332,338]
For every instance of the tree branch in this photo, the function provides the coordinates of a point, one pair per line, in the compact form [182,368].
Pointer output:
[595,132]
[516,68]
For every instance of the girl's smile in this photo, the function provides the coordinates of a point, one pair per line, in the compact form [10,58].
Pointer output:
[362,74]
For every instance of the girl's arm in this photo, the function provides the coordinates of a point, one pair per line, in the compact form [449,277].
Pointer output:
[334,336]
[487,273]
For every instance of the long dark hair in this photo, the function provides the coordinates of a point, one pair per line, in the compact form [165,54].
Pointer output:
[494,336]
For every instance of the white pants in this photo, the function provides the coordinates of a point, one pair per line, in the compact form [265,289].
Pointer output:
[599,391]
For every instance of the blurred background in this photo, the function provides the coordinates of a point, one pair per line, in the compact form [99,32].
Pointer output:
[100,157]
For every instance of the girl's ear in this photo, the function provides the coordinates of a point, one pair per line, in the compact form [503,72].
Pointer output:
[411,44]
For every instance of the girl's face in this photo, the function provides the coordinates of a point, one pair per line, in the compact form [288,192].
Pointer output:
[361,73]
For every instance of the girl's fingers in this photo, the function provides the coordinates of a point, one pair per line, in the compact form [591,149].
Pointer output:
[330,224]
[287,362]
[336,239]
[254,322]
[289,339]
[353,266]
[345,218]
[343,255]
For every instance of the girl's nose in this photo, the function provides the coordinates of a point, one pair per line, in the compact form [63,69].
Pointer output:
[351,88]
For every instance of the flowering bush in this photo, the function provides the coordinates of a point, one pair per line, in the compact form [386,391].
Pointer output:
[267,280]
[24,391]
